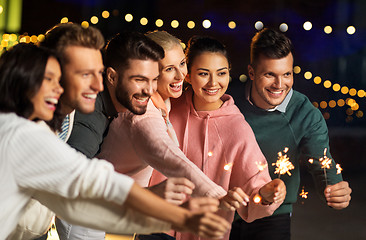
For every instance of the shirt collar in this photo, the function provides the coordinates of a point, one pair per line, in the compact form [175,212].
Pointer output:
[281,108]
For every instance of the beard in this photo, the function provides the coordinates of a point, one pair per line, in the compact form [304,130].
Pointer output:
[123,97]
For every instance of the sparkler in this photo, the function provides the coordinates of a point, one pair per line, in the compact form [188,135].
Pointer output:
[283,165]
[339,169]
[257,199]
[228,166]
[304,194]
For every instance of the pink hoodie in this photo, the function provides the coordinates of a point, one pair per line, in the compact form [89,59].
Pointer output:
[223,145]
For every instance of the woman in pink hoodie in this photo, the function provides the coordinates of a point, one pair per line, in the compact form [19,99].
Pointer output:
[214,135]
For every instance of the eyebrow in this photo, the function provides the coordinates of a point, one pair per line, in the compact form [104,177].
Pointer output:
[220,69]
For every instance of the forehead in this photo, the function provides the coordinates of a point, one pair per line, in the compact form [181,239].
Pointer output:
[284,64]
[210,60]
[145,68]
[174,54]
[80,55]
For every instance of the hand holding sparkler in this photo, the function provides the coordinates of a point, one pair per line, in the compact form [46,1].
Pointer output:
[273,192]
[338,195]
[234,199]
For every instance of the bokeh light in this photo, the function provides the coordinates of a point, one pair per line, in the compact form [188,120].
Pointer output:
[344,90]
[336,87]
[341,102]
[159,23]
[308,75]
[307,25]
[85,24]
[143,21]
[231,25]
[191,24]
[327,84]
[317,80]
[283,27]
[332,103]
[174,24]
[328,29]
[128,17]
[297,69]
[64,20]
[351,30]
[105,14]
[206,23]
[352,92]
[258,25]
[94,20]
[243,78]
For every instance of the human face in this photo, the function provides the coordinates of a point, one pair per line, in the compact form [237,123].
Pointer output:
[209,77]
[173,70]
[82,79]
[46,99]
[272,81]
[136,85]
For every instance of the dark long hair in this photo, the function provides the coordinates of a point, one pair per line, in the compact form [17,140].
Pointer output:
[22,69]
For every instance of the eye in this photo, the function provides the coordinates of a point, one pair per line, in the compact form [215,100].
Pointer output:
[169,69]
[182,64]
[288,74]
[222,73]
[85,75]
[203,74]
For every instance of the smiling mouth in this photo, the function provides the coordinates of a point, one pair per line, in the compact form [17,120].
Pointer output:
[92,96]
[275,93]
[142,100]
[211,91]
[176,86]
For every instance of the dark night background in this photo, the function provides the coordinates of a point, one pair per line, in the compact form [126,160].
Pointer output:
[338,57]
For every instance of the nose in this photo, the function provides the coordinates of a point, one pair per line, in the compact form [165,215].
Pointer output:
[212,81]
[97,83]
[150,88]
[278,82]
[179,75]
[58,89]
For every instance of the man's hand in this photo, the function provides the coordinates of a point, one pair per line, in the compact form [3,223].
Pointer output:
[173,190]
[273,192]
[338,195]
[204,224]
[234,198]
[202,204]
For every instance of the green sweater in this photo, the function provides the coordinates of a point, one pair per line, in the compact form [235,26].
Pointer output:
[302,129]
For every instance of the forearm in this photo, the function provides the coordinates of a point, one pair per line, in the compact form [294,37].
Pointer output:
[103,215]
[146,202]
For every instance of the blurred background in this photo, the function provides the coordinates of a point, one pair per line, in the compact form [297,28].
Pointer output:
[329,37]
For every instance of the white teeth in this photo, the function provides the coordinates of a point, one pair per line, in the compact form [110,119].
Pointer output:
[275,92]
[90,95]
[51,100]
[177,84]
[212,91]
[142,99]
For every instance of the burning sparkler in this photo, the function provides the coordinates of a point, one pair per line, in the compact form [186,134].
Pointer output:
[283,165]
[303,194]
[257,199]
[339,169]
[228,166]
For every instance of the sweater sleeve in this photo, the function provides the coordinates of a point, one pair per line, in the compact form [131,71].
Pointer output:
[100,214]
[250,160]
[153,144]
[314,145]
[44,163]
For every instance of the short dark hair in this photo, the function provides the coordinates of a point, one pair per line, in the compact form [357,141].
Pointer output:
[200,44]
[63,35]
[130,45]
[271,44]
[22,70]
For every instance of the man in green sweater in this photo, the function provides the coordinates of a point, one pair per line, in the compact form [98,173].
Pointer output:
[284,121]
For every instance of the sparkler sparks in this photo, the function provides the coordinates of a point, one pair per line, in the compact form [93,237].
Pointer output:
[257,199]
[283,165]
[303,194]
[228,166]
[339,169]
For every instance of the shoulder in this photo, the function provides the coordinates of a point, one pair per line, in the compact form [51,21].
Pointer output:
[302,107]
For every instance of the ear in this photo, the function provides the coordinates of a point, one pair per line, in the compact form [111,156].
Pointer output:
[251,72]
[188,78]
[111,75]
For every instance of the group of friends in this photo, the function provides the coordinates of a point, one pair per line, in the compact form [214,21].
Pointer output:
[181,158]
